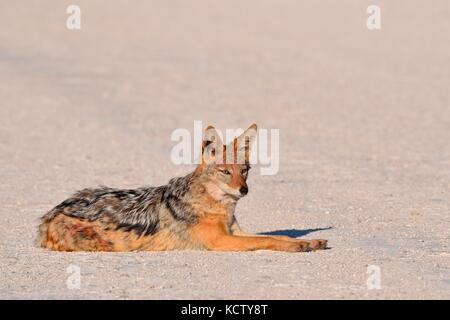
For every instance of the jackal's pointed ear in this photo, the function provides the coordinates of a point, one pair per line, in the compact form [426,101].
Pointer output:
[212,144]
[242,145]
[211,136]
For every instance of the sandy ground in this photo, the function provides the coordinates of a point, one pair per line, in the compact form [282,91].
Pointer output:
[364,125]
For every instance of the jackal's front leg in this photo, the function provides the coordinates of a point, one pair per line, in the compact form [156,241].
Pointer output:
[312,244]
[213,234]
[239,243]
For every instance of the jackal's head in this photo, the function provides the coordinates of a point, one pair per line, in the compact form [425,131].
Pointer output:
[224,168]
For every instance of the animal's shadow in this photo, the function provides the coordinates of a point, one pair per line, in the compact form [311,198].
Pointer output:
[294,233]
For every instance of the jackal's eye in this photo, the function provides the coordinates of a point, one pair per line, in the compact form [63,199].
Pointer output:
[225,171]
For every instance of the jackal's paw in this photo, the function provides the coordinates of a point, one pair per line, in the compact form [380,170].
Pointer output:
[317,244]
[301,246]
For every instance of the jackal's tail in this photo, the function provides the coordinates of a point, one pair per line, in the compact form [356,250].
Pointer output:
[43,231]
[63,233]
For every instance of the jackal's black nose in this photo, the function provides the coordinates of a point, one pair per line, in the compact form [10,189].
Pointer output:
[243,190]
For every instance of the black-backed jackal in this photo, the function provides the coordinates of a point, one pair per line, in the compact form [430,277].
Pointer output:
[191,212]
